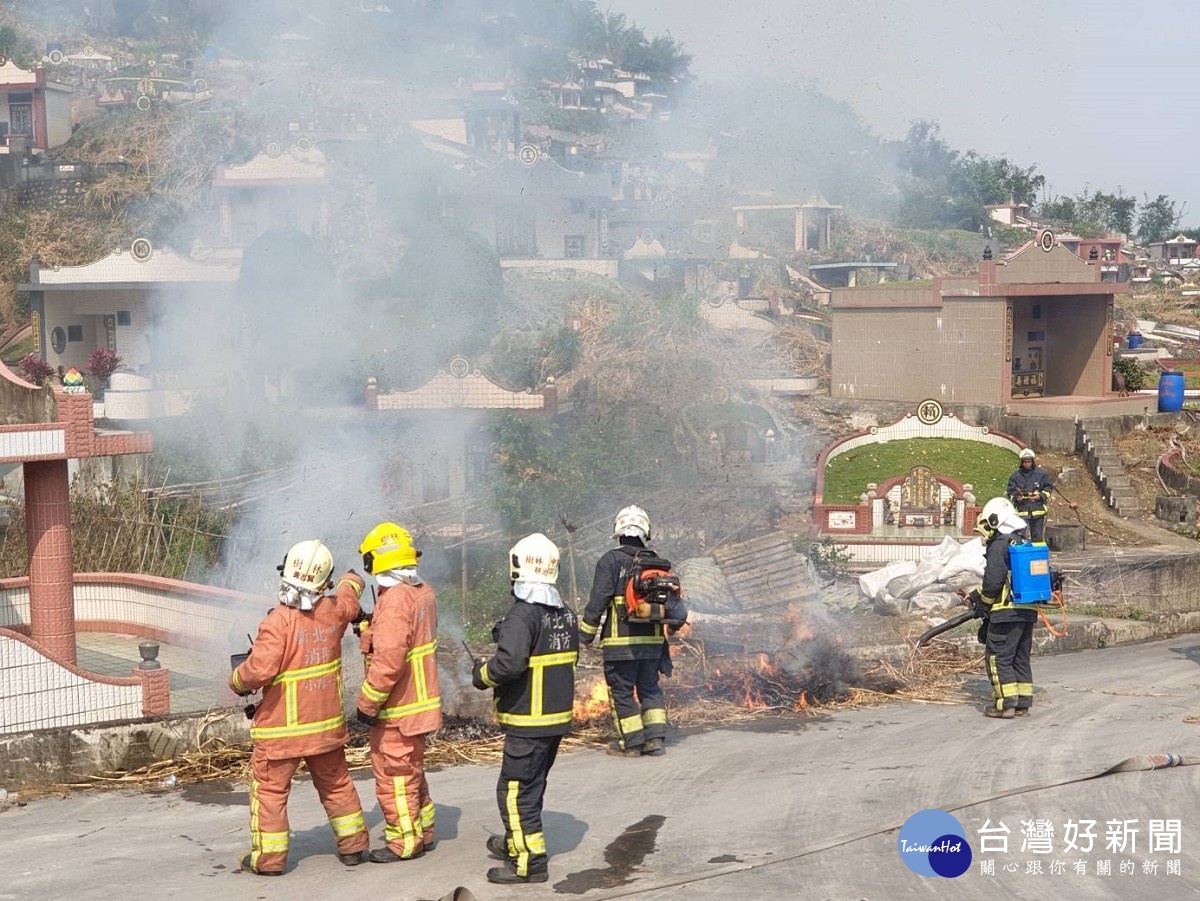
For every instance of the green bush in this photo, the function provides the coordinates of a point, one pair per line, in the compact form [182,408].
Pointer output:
[1135,376]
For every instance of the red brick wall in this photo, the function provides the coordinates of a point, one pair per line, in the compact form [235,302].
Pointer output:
[862,519]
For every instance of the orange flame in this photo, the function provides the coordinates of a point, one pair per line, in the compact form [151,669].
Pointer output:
[594,703]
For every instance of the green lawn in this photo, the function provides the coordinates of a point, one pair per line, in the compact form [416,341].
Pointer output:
[17,349]
[985,467]
[1191,374]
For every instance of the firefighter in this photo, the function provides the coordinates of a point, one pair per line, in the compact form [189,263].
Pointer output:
[400,698]
[532,675]
[1008,628]
[634,653]
[1029,490]
[296,660]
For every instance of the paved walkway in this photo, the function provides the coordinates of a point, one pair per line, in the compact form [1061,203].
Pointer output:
[807,808]
[198,677]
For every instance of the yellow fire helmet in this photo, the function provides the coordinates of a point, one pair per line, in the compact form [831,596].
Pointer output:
[388,546]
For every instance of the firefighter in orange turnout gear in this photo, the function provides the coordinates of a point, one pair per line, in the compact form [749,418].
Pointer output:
[400,697]
[297,662]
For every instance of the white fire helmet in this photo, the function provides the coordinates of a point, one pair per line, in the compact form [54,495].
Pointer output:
[1027,454]
[632,522]
[534,559]
[993,515]
[304,574]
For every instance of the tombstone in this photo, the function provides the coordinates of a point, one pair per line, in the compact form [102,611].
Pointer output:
[1068,536]
[1176,510]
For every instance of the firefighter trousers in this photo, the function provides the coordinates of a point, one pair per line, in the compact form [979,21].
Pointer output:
[641,718]
[398,762]
[1035,522]
[1007,659]
[271,782]
[519,793]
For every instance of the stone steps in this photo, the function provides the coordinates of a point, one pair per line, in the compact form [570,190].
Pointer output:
[1095,446]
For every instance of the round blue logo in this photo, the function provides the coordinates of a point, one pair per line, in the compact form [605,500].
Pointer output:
[932,843]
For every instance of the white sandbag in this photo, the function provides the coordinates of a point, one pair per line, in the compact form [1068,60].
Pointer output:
[872,584]
[969,559]
[946,551]
[935,598]
[928,570]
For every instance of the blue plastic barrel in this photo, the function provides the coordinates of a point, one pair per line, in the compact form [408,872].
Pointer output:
[1135,340]
[1170,392]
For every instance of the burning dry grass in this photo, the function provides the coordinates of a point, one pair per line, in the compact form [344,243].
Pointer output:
[707,691]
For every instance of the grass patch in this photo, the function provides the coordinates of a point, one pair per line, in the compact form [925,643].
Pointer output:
[15,350]
[984,466]
[1191,373]
[1121,611]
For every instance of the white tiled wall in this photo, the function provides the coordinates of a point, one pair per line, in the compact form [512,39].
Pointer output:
[37,693]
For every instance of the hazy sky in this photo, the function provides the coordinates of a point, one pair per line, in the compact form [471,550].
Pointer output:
[1096,94]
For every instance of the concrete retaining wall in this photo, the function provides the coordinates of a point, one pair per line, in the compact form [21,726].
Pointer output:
[1151,580]
[65,756]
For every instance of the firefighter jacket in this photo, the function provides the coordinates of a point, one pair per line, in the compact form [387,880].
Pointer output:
[605,613]
[532,673]
[996,590]
[296,660]
[401,686]
[1036,484]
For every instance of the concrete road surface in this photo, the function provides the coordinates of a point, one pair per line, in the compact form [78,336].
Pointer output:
[808,809]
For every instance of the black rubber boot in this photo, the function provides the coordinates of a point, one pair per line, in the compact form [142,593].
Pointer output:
[246,867]
[507,874]
[655,747]
[497,846]
[616,749]
[353,860]
[387,855]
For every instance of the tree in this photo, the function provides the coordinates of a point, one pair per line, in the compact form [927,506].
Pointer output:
[551,468]
[440,301]
[1091,214]
[949,189]
[923,153]
[1158,219]
[13,45]
[997,180]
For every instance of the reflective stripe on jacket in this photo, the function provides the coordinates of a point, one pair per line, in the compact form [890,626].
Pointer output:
[1035,481]
[296,660]
[533,670]
[401,687]
[605,613]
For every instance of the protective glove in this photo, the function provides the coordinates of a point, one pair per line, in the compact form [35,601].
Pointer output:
[978,606]
[365,718]
[476,677]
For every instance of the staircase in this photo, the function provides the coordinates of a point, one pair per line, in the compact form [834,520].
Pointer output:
[766,571]
[1094,442]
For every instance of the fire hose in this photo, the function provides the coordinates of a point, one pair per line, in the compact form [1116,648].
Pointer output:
[952,623]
